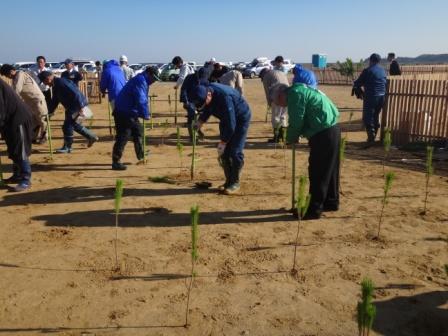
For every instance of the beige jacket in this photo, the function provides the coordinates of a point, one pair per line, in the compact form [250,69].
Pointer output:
[25,86]
[271,78]
[234,79]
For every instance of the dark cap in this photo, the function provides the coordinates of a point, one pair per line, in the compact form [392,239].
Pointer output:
[68,61]
[199,95]
[44,75]
[5,69]
[177,60]
[152,70]
[375,58]
[279,59]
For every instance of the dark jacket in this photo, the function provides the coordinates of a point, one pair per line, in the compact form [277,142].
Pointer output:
[132,101]
[68,94]
[394,69]
[373,79]
[190,82]
[112,79]
[13,111]
[229,107]
[74,76]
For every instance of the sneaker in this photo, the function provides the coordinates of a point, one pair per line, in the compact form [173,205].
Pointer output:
[222,187]
[118,166]
[64,150]
[232,189]
[22,186]
[91,141]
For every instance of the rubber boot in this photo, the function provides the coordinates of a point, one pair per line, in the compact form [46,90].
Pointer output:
[117,152]
[226,168]
[89,135]
[138,147]
[67,147]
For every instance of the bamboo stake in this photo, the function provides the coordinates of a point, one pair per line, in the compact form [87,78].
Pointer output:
[293,174]
[175,106]
[194,214]
[110,117]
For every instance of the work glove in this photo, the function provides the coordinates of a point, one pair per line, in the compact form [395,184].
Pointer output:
[196,125]
[358,92]
[221,148]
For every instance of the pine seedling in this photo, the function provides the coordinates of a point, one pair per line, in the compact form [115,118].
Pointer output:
[144,141]
[349,123]
[179,146]
[118,197]
[387,142]
[110,117]
[194,216]
[50,140]
[387,186]
[366,311]
[342,145]
[165,126]
[429,172]
[293,177]
[175,106]
[303,202]
[193,155]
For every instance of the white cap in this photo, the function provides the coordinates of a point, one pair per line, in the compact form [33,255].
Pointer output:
[123,58]
[213,60]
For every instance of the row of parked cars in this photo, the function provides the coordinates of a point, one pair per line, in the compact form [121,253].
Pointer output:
[167,71]
[58,67]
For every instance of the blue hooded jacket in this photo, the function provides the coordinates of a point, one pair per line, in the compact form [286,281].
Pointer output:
[227,105]
[373,79]
[112,79]
[68,94]
[304,76]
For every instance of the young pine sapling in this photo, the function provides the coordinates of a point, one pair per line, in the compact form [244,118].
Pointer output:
[387,142]
[387,186]
[50,140]
[429,172]
[165,127]
[180,147]
[118,196]
[303,202]
[342,145]
[349,125]
[366,311]
[194,216]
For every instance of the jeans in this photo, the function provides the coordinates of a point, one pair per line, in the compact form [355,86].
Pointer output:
[372,107]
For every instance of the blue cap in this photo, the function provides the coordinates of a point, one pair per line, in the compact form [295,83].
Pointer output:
[68,61]
[304,76]
[199,95]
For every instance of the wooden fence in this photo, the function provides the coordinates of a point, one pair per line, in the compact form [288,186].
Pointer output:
[416,110]
[330,76]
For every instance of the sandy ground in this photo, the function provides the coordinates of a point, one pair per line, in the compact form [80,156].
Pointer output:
[57,254]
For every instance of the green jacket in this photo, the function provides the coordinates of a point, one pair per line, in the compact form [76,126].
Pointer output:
[310,111]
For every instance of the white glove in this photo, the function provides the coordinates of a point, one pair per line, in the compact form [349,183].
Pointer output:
[221,148]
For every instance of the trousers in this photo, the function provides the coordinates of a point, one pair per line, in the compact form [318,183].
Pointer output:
[323,169]
[372,106]
[125,128]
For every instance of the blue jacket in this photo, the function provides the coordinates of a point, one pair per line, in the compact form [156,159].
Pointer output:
[373,79]
[68,94]
[112,79]
[229,107]
[132,101]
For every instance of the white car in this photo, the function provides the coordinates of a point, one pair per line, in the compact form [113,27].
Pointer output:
[254,68]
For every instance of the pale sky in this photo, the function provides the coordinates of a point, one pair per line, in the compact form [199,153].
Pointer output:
[232,30]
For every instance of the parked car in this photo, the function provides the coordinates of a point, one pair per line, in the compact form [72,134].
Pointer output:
[240,66]
[23,65]
[168,72]
[253,69]
[288,65]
